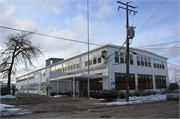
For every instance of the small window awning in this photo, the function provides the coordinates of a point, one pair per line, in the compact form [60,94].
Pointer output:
[78,76]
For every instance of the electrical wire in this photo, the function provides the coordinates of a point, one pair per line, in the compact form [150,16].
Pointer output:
[142,3]
[114,57]
[159,12]
[49,36]
[121,17]
[151,16]
[161,22]
[116,51]
[163,48]
[160,44]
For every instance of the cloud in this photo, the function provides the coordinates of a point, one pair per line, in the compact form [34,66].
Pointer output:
[105,10]
[171,52]
[81,7]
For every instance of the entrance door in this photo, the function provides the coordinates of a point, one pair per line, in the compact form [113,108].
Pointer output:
[83,88]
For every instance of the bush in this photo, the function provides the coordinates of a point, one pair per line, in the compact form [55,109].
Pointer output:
[137,93]
[122,95]
[153,92]
[131,94]
[164,91]
[104,94]
[53,93]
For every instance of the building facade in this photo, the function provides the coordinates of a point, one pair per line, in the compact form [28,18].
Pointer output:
[107,67]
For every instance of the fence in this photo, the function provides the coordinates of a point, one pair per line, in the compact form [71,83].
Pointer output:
[4,89]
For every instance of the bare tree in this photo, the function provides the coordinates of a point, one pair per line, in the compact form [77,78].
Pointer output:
[176,76]
[18,50]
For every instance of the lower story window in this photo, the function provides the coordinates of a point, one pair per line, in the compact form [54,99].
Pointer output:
[160,81]
[120,81]
[96,84]
[145,81]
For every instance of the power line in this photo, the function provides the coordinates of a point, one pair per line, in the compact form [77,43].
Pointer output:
[159,12]
[114,57]
[121,18]
[116,51]
[161,22]
[49,36]
[174,64]
[160,44]
[142,3]
[151,16]
[163,48]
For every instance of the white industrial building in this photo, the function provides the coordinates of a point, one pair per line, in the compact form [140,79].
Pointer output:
[147,71]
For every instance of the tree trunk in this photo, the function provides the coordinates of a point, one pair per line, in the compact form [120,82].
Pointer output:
[9,72]
[9,82]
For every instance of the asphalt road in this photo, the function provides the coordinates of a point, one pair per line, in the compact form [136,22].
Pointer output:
[50,107]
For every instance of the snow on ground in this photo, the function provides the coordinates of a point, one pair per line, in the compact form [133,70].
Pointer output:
[8,96]
[14,111]
[60,96]
[98,99]
[137,100]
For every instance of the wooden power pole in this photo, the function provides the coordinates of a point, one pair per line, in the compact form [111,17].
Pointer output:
[127,44]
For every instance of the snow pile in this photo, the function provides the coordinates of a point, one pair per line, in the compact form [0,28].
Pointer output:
[8,96]
[137,100]
[60,96]
[14,111]
[97,99]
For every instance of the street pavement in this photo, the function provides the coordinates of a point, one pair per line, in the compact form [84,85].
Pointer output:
[65,107]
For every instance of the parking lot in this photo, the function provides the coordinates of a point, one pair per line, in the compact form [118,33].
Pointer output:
[50,107]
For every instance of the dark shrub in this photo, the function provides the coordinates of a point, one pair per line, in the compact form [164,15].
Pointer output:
[104,94]
[131,94]
[148,92]
[164,91]
[153,92]
[137,93]
[122,95]
[53,93]
[173,86]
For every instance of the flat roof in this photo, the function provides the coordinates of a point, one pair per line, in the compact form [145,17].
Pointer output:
[79,76]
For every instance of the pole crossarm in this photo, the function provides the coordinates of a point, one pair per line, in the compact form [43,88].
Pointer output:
[125,4]
[125,9]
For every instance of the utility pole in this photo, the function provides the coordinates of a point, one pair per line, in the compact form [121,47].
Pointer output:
[88,31]
[127,44]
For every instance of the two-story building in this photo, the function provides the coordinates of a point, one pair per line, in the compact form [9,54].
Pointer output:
[107,70]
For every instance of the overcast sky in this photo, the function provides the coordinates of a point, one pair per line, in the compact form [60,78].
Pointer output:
[68,19]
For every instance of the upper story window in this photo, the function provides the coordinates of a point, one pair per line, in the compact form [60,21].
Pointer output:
[162,63]
[64,66]
[116,57]
[138,60]
[31,76]
[157,62]
[90,59]
[43,72]
[149,62]
[131,59]
[142,61]
[94,58]
[146,63]
[36,74]
[82,62]
[99,57]
[154,63]
[86,60]
[121,57]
